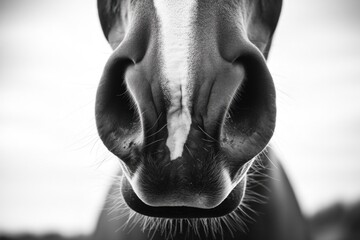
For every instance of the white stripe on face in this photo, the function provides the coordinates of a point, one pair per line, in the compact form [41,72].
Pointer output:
[176,18]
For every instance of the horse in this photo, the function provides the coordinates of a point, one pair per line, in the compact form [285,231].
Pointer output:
[187,104]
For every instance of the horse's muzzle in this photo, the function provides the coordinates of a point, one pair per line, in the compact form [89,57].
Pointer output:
[232,120]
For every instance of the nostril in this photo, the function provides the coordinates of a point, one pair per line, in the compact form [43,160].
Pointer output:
[117,117]
[113,105]
[213,96]
[252,112]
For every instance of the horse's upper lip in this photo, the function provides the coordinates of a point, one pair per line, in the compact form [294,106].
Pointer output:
[231,202]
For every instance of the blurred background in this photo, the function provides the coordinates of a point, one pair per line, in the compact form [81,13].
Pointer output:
[54,172]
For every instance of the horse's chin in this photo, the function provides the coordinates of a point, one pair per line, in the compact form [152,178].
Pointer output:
[228,205]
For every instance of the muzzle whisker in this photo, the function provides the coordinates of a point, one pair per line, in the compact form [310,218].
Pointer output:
[153,142]
[122,94]
[155,123]
[208,135]
[187,148]
[207,140]
[205,149]
[157,131]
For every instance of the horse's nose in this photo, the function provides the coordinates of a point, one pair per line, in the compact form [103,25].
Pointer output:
[227,120]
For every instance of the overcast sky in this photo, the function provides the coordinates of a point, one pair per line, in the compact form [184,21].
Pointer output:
[54,171]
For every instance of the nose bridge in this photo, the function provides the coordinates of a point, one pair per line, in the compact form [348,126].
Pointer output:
[197,82]
[175,20]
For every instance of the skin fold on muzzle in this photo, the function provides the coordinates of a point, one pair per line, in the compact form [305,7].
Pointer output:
[230,107]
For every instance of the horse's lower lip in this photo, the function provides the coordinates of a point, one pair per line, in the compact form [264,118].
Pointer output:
[227,206]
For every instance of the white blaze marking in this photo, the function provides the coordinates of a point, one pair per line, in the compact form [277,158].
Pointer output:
[175,17]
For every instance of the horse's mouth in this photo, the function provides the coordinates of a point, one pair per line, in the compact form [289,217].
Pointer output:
[228,205]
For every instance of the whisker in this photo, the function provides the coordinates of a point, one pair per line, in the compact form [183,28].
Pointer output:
[157,131]
[202,130]
[156,121]
[187,148]
[153,142]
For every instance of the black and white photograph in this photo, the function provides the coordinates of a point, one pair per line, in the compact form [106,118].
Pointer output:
[179,120]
